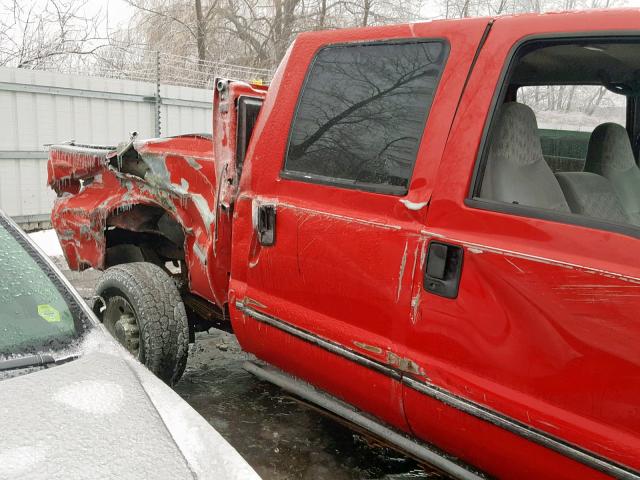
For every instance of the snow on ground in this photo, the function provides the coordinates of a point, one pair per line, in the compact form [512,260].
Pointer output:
[579,121]
[47,240]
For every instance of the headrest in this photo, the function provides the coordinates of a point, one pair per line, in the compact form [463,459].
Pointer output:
[609,150]
[515,137]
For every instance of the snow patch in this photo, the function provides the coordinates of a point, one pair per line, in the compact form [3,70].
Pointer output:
[16,461]
[578,121]
[90,396]
[208,454]
[413,205]
[48,242]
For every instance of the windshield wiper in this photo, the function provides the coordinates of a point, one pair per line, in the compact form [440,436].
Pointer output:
[27,362]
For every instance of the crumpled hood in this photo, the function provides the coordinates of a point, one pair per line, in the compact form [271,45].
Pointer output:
[105,416]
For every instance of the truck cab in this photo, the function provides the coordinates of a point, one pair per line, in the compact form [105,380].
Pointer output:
[434,256]
[434,234]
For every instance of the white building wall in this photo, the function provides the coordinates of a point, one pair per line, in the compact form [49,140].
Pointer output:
[39,108]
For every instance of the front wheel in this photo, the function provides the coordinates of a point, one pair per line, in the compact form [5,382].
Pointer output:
[140,305]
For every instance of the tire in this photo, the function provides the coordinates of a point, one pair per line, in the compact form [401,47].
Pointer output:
[142,309]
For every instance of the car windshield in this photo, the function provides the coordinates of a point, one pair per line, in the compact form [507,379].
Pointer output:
[36,312]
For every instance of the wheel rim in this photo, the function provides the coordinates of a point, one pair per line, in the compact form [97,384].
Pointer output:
[121,321]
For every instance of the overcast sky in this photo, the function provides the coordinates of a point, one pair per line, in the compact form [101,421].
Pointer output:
[120,12]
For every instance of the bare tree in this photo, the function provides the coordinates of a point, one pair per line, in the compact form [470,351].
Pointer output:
[265,28]
[253,32]
[37,33]
[468,8]
[190,20]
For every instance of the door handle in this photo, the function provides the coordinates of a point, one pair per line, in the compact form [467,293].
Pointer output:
[266,225]
[443,270]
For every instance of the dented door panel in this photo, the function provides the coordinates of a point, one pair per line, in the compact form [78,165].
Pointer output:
[540,336]
[337,281]
[539,340]
[329,275]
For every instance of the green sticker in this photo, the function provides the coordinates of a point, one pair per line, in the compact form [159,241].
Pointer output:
[49,313]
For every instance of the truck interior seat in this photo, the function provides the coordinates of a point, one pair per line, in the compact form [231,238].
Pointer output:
[516,171]
[591,195]
[610,155]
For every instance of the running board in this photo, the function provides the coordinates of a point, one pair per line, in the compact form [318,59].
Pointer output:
[418,450]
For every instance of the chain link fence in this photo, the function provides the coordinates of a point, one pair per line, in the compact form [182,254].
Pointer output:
[172,98]
[129,63]
[97,110]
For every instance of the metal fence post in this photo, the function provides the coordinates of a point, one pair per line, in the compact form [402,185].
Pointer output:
[158,98]
[32,208]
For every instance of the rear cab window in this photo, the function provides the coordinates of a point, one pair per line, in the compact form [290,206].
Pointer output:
[567,115]
[560,145]
[362,112]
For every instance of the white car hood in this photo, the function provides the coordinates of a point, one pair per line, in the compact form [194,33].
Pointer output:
[105,416]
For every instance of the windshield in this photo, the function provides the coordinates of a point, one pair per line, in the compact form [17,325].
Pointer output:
[36,312]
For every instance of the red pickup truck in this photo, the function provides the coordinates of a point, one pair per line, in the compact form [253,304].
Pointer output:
[432,228]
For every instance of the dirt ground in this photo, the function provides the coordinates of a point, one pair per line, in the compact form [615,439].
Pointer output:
[280,437]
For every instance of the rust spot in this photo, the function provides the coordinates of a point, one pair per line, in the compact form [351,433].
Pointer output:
[404,364]
[248,301]
[368,348]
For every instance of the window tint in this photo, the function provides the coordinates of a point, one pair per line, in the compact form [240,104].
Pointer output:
[362,112]
[248,110]
[567,114]
[560,147]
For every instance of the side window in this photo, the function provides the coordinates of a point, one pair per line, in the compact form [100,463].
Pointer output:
[558,145]
[567,115]
[362,113]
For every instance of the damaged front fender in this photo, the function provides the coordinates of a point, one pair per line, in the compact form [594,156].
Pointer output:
[190,179]
[176,175]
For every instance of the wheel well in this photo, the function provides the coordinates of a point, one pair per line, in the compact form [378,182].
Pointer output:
[147,233]
[144,233]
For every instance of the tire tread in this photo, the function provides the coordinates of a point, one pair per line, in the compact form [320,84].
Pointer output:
[164,328]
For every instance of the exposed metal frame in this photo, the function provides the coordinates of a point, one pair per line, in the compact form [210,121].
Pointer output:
[469,407]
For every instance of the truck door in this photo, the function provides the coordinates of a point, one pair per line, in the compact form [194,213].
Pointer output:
[326,220]
[528,302]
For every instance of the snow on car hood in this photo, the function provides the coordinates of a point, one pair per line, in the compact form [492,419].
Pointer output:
[105,416]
